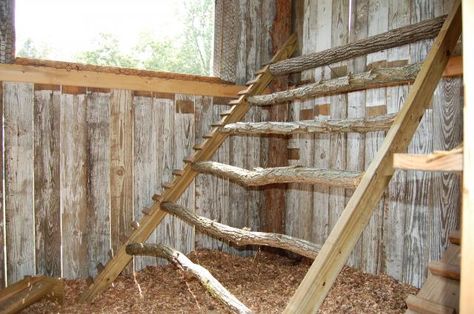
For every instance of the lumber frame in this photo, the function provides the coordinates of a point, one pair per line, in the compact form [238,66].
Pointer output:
[361,125]
[212,285]
[393,38]
[242,237]
[375,78]
[30,290]
[355,217]
[150,222]
[148,81]
[280,175]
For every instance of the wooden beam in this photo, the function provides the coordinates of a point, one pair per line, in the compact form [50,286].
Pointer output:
[87,78]
[454,67]
[279,175]
[467,243]
[30,290]
[355,217]
[420,305]
[455,237]
[242,237]
[212,285]
[374,78]
[447,163]
[445,270]
[362,125]
[150,222]
[393,38]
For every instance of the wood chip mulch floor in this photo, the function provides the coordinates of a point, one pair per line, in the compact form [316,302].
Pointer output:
[264,283]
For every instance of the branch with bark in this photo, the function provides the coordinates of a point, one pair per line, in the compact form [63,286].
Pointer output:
[291,174]
[374,78]
[242,237]
[393,38]
[215,288]
[363,125]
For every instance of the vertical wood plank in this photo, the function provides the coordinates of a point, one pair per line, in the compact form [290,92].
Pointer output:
[73,163]
[184,141]
[394,218]
[47,182]
[19,167]
[121,167]
[146,179]
[356,108]
[372,236]
[99,237]
[3,276]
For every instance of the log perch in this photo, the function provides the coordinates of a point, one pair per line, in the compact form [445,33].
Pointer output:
[393,38]
[374,78]
[291,174]
[242,237]
[372,124]
[215,288]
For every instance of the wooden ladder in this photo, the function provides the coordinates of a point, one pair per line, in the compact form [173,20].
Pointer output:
[183,178]
[355,217]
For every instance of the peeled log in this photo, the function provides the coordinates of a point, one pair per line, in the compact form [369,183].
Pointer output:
[203,275]
[242,237]
[393,38]
[372,124]
[291,174]
[352,82]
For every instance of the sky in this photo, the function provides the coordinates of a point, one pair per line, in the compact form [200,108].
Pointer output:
[69,26]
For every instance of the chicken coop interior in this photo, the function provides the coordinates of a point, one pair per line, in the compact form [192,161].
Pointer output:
[323,167]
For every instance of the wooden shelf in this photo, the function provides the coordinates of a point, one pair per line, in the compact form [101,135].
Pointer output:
[447,163]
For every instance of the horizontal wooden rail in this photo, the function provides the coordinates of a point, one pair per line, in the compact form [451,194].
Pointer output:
[84,77]
[242,237]
[291,174]
[448,161]
[420,305]
[363,125]
[445,270]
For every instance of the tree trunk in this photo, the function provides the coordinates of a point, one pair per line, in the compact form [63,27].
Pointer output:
[7,31]
[203,275]
[242,237]
[393,38]
[352,82]
[291,174]
[362,125]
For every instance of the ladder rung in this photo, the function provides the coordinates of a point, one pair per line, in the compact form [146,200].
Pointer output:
[262,70]
[189,159]
[420,305]
[244,91]
[217,124]
[255,80]
[146,211]
[178,172]
[226,113]
[209,135]
[445,270]
[156,197]
[167,185]
[236,101]
[135,225]
[455,237]
[199,146]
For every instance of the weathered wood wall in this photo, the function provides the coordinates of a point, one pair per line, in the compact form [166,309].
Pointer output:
[411,223]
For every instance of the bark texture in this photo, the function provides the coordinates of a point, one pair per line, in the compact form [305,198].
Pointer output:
[393,38]
[290,174]
[7,31]
[242,237]
[215,288]
[361,125]
[352,82]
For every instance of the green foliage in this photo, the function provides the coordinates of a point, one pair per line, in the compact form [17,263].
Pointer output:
[34,50]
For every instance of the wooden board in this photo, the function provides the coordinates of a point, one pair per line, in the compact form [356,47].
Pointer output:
[121,166]
[74,170]
[19,181]
[98,194]
[47,182]
[3,276]
[421,162]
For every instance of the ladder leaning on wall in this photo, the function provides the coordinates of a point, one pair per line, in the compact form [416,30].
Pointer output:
[342,239]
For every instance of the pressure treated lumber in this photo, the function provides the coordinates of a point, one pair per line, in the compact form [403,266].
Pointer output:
[361,125]
[355,217]
[215,288]
[393,38]
[420,305]
[290,174]
[379,77]
[445,270]
[149,222]
[445,163]
[30,290]
[242,237]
